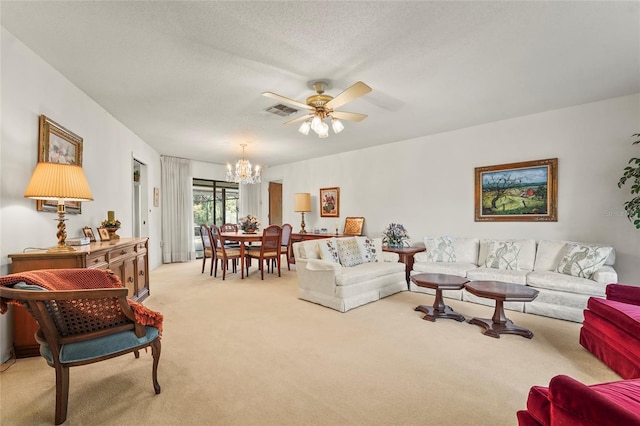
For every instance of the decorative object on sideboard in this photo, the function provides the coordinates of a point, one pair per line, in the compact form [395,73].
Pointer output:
[395,235]
[353,226]
[249,224]
[111,225]
[302,205]
[61,183]
[632,173]
[88,232]
[243,173]
[330,202]
[104,234]
[517,192]
[58,145]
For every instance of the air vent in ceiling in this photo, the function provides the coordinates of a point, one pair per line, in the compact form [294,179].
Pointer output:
[281,110]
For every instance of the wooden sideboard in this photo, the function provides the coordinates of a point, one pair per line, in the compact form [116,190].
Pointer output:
[126,257]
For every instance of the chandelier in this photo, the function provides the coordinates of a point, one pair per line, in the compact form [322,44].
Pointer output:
[243,173]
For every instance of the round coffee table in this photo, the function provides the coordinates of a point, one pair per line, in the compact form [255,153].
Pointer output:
[501,292]
[439,282]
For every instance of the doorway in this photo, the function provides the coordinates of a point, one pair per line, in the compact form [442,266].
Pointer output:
[140,200]
[275,203]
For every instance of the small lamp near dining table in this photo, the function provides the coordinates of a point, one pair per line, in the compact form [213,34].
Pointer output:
[303,205]
[59,182]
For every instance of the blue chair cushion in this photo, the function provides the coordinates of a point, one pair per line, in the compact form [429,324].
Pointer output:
[101,346]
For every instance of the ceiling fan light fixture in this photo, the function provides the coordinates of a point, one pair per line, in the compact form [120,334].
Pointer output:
[316,123]
[324,130]
[336,125]
[304,128]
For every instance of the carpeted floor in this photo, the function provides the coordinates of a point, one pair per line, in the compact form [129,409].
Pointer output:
[248,352]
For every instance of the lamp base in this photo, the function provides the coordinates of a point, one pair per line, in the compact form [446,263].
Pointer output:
[61,249]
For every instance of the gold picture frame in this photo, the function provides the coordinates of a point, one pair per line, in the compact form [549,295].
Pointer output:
[104,234]
[57,144]
[517,192]
[330,202]
[353,226]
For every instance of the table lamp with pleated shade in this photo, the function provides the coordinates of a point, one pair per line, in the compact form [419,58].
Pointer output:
[59,182]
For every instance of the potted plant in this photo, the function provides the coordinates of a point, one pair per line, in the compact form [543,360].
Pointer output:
[632,173]
[394,235]
[249,224]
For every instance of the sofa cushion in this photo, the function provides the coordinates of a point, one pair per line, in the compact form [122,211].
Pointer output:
[526,257]
[560,282]
[502,255]
[624,315]
[370,249]
[349,252]
[550,253]
[306,249]
[538,404]
[440,249]
[451,268]
[491,274]
[582,260]
[328,250]
[367,271]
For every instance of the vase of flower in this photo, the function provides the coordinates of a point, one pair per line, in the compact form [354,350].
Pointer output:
[394,235]
[249,224]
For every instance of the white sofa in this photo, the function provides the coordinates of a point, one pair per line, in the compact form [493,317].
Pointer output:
[561,295]
[324,279]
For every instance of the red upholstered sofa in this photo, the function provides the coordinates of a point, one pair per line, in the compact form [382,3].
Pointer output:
[569,402]
[611,329]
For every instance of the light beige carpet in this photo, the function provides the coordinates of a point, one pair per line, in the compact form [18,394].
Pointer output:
[248,352]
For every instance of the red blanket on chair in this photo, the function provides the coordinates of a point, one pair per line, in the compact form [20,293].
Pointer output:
[79,279]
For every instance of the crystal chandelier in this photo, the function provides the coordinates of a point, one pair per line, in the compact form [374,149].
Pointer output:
[243,173]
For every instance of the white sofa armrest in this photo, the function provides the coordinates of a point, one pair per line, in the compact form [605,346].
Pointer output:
[388,256]
[323,265]
[606,275]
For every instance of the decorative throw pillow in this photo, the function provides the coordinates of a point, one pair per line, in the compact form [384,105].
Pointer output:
[502,255]
[328,250]
[440,249]
[582,260]
[348,252]
[367,249]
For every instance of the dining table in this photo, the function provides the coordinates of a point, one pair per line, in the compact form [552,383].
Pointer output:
[243,238]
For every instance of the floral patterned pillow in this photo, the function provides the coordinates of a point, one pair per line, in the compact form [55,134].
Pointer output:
[328,250]
[582,260]
[348,252]
[440,249]
[368,250]
[502,255]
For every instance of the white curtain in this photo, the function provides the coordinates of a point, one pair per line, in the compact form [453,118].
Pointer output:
[250,201]
[177,210]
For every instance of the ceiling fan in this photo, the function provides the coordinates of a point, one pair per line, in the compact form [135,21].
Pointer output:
[322,106]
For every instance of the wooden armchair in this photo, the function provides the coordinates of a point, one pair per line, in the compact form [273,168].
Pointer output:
[79,327]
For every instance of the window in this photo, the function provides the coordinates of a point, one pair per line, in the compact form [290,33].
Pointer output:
[214,203]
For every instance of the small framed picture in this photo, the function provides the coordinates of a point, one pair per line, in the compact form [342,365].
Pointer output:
[330,202]
[104,234]
[88,232]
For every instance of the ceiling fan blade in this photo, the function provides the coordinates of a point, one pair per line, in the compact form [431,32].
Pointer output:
[351,116]
[295,120]
[355,91]
[286,100]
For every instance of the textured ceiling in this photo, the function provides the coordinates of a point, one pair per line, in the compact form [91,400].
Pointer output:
[187,77]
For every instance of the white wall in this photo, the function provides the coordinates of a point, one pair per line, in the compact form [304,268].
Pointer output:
[30,87]
[427,183]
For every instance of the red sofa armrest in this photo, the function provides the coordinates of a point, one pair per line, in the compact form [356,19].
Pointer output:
[624,293]
[575,403]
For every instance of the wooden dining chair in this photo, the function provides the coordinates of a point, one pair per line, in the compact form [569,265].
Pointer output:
[285,243]
[225,254]
[230,227]
[207,249]
[268,250]
[79,327]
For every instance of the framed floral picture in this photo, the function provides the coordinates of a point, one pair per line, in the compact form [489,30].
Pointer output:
[330,202]
[522,192]
[58,145]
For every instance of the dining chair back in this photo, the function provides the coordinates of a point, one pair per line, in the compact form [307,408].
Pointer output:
[207,249]
[224,253]
[269,249]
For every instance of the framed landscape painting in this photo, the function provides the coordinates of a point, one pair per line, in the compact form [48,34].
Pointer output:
[522,192]
[58,145]
[329,202]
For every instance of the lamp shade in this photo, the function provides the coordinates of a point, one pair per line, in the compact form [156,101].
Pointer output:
[303,202]
[55,181]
